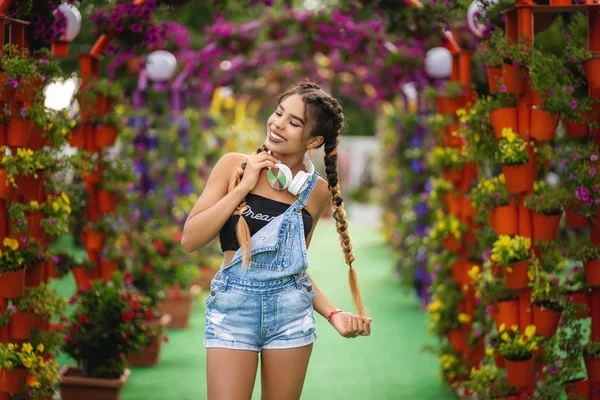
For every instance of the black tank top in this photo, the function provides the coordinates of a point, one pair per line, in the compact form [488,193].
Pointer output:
[260,212]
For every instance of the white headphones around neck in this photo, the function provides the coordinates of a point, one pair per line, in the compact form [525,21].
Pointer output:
[282,179]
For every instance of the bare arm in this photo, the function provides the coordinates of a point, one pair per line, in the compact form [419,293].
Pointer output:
[215,205]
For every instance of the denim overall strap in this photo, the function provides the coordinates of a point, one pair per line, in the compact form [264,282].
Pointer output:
[305,195]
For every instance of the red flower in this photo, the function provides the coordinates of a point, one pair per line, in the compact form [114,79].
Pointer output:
[83,319]
[164,338]
[135,304]
[149,313]
[74,328]
[127,316]
[73,299]
[147,269]
[68,339]
[159,246]
[87,286]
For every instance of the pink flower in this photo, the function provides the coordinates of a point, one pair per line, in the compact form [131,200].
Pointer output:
[502,88]
[592,171]
[593,158]
[573,104]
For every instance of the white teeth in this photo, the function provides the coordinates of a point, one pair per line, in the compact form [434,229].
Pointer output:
[276,136]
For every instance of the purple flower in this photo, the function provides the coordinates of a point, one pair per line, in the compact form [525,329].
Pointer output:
[502,88]
[564,162]
[13,83]
[595,188]
[570,89]
[592,171]
[56,259]
[52,221]
[136,28]
[573,104]
[23,112]
[23,239]
[572,59]
[20,222]
[574,156]
[593,158]
[553,369]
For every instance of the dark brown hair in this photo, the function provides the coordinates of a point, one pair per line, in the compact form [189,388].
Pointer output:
[327,121]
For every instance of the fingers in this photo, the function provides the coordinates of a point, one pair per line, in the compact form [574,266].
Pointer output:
[367,331]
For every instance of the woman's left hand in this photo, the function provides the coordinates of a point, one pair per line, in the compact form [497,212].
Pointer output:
[350,325]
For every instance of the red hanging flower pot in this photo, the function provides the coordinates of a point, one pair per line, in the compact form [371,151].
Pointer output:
[106,135]
[458,339]
[6,188]
[20,325]
[578,389]
[576,130]
[504,118]
[493,74]
[18,131]
[12,284]
[12,381]
[582,299]
[518,178]
[513,79]
[81,277]
[7,94]
[508,313]
[77,137]
[94,240]
[592,272]
[453,176]
[451,243]
[107,267]
[591,68]
[459,272]
[506,220]
[574,221]
[546,315]
[545,227]
[107,201]
[592,366]
[515,275]
[520,373]
[543,125]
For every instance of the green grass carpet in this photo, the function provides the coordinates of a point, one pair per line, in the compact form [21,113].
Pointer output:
[387,365]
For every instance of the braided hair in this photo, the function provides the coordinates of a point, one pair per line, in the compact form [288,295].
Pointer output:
[327,121]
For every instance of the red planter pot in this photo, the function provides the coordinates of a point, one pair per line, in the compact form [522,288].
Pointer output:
[545,320]
[591,68]
[458,339]
[518,178]
[459,272]
[592,272]
[81,277]
[493,75]
[579,389]
[513,79]
[448,105]
[77,138]
[574,221]
[33,275]
[20,325]
[506,220]
[12,381]
[520,373]
[504,118]
[582,299]
[453,176]
[450,243]
[94,240]
[508,313]
[543,125]
[576,130]
[12,284]
[592,366]
[107,201]
[36,138]
[515,275]
[545,227]
[18,131]
[105,136]
[107,267]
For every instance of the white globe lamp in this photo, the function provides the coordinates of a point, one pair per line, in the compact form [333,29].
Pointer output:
[438,63]
[160,65]
[73,27]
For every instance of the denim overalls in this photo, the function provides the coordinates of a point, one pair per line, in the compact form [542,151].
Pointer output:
[269,305]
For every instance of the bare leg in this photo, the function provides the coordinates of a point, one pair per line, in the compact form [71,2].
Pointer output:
[230,374]
[283,372]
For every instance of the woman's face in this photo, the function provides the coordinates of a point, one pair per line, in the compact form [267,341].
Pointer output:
[286,126]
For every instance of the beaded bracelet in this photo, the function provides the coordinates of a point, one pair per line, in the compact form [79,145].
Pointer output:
[331,314]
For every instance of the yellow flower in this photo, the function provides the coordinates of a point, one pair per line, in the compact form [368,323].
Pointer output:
[55,206]
[533,346]
[515,328]
[530,331]
[474,272]
[35,384]
[464,318]
[502,328]
[505,337]
[65,198]
[489,352]
[11,346]
[40,347]
[27,348]
[12,243]
[8,365]
[34,204]
[27,362]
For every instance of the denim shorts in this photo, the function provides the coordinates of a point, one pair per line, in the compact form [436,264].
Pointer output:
[258,315]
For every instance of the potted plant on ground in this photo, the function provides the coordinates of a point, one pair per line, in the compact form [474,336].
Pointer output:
[547,204]
[514,255]
[514,159]
[107,325]
[518,350]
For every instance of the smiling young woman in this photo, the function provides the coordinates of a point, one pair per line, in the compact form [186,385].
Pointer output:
[265,207]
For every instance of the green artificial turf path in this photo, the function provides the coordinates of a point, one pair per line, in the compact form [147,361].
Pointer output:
[387,365]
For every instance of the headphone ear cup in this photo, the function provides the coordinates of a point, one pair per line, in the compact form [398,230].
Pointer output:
[275,179]
[298,183]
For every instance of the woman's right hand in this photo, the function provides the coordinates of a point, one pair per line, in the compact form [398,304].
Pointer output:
[254,165]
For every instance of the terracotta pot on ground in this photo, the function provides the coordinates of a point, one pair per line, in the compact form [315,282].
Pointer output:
[513,79]
[574,221]
[545,227]
[74,386]
[12,381]
[546,315]
[543,125]
[592,272]
[515,275]
[506,220]
[591,68]
[518,179]
[504,118]
[520,373]
[149,355]
[20,325]
[12,284]
[578,389]
[179,305]
[576,130]
[592,366]
[508,313]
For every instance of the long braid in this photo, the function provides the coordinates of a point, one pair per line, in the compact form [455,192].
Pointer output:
[242,229]
[332,107]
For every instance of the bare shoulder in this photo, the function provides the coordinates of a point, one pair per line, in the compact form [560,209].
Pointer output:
[321,191]
[230,159]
